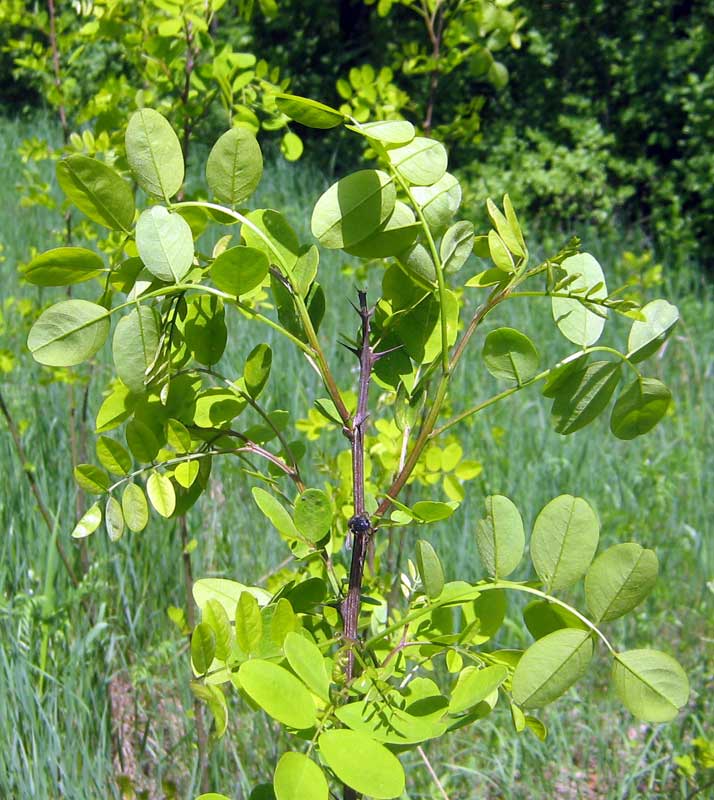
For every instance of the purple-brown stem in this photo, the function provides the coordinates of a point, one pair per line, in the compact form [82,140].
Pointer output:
[360,525]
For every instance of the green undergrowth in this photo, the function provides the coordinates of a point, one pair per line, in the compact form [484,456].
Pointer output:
[85,730]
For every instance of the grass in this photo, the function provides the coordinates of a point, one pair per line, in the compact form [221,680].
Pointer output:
[115,691]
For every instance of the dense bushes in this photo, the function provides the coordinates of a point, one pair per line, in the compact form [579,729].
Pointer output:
[605,113]
[613,102]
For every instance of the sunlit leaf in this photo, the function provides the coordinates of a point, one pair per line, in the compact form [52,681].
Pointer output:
[298,777]
[63,266]
[135,508]
[564,540]
[165,243]
[646,337]
[161,494]
[430,569]
[619,580]
[510,355]
[235,166]
[68,333]
[550,666]
[154,153]
[279,693]
[651,684]
[90,521]
[97,190]
[308,112]
[239,270]
[574,319]
[500,537]
[134,346]
[422,162]
[362,764]
[114,519]
[353,208]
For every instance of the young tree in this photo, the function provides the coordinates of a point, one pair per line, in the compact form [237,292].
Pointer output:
[357,662]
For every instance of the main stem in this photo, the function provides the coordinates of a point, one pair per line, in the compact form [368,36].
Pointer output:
[359,525]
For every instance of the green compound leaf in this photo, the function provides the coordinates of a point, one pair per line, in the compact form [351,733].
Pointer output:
[619,580]
[135,508]
[91,520]
[583,394]
[203,647]
[276,513]
[98,191]
[500,254]
[313,514]
[390,724]
[432,510]
[63,266]
[542,617]
[418,264]
[154,153]
[298,777]
[165,243]
[422,162]
[651,684]
[239,270]
[212,796]
[393,237]
[639,408]
[116,407]
[550,666]
[249,623]
[500,537]
[575,321]
[308,663]
[510,355]
[114,519]
[113,456]
[68,333]
[141,440]
[91,478]
[564,540]
[257,369]
[215,616]
[308,112]
[291,146]
[353,208]
[216,700]
[204,328]
[646,337]
[235,166]
[217,407]
[474,686]
[390,132]
[362,764]
[456,246]
[430,569]
[134,346]
[279,693]
[509,235]
[226,592]
[270,232]
[438,202]
[161,494]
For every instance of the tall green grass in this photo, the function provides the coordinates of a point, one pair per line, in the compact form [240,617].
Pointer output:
[128,663]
